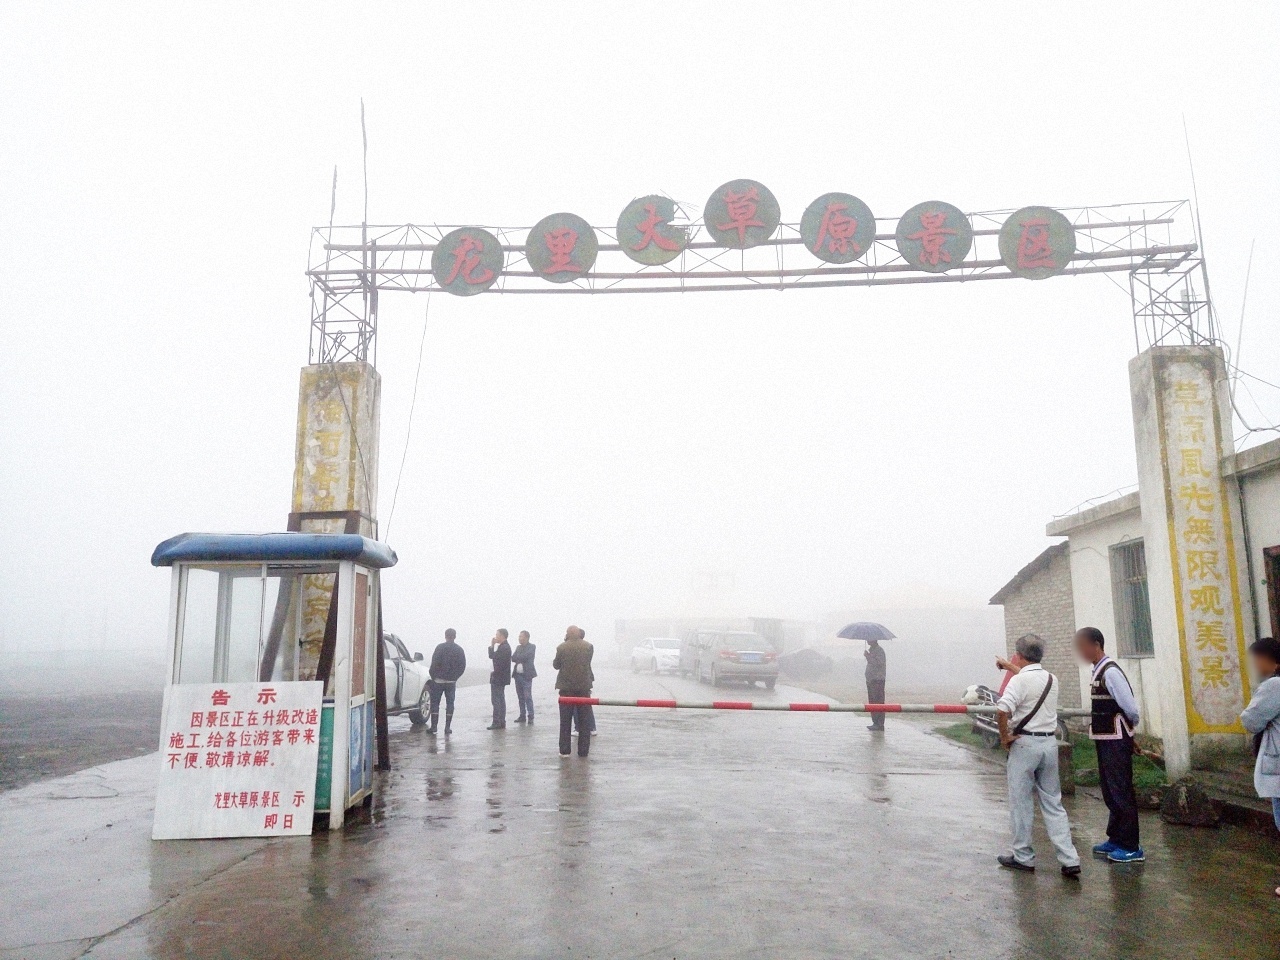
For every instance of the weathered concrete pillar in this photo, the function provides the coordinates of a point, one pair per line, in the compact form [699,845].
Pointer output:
[336,469]
[1190,524]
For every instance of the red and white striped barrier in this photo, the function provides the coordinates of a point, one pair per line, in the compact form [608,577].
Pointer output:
[801,707]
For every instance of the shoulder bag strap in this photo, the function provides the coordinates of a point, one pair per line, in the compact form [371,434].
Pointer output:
[1022,724]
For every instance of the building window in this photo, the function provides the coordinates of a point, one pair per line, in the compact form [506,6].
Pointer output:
[1132,604]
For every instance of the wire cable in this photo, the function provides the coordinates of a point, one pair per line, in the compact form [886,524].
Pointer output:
[413,404]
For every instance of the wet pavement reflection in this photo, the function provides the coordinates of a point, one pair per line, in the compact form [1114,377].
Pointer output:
[683,835]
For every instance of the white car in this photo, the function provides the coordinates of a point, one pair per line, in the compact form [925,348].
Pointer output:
[656,654]
[406,681]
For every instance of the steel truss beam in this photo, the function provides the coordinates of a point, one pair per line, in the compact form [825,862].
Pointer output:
[1153,243]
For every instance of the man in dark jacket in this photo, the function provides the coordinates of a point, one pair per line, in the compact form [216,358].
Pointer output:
[500,678]
[876,670]
[522,673]
[448,664]
[573,661]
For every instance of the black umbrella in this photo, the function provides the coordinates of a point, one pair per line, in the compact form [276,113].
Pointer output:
[865,630]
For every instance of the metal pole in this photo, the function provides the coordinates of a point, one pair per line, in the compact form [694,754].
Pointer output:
[965,708]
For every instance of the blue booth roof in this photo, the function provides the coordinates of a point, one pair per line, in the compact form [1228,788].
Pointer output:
[272,548]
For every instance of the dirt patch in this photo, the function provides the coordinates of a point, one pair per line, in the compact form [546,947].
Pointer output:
[49,736]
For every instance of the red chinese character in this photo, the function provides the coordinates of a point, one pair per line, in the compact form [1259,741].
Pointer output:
[277,738]
[215,740]
[244,758]
[212,759]
[293,737]
[228,758]
[210,719]
[465,262]
[282,718]
[1033,245]
[308,736]
[197,719]
[253,798]
[649,234]
[252,719]
[174,760]
[271,820]
[561,242]
[313,716]
[296,716]
[261,758]
[933,238]
[244,799]
[177,741]
[267,695]
[288,821]
[230,741]
[837,228]
[190,760]
[299,798]
[261,738]
[274,798]
[238,719]
[221,698]
[742,212]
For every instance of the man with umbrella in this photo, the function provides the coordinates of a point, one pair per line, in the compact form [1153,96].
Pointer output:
[872,633]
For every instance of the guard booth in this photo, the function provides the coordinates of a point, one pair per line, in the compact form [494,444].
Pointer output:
[268,618]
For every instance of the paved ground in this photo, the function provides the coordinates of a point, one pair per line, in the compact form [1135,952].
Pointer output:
[685,835]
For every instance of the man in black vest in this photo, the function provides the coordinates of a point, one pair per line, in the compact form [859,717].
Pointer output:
[500,678]
[1115,717]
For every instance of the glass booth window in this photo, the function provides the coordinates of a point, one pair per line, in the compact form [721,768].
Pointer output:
[239,624]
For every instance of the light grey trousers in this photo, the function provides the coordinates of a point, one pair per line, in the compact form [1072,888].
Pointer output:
[1033,773]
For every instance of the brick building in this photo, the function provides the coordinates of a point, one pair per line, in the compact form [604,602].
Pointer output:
[1039,600]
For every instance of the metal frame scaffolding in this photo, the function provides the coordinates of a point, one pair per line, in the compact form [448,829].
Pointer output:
[1155,244]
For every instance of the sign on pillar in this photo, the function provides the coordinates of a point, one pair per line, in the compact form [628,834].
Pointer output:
[336,469]
[1191,519]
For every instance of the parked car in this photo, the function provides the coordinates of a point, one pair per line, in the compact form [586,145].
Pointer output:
[406,675]
[717,656]
[656,654]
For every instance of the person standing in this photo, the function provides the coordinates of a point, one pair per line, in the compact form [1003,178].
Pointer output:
[574,679]
[1262,718]
[877,668]
[1115,716]
[448,664]
[1027,714]
[499,678]
[522,674]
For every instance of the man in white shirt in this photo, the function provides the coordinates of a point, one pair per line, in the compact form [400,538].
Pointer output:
[1027,714]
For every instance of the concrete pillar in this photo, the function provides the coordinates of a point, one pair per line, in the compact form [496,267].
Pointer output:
[336,469]
[1191,524]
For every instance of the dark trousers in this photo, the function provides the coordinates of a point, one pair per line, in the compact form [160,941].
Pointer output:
[583,716]
[1115,772]
[446,690]
[875,694]
[498,694]
[524,695]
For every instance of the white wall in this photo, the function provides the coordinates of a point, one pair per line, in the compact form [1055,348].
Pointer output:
[1089,548]
[1262,521]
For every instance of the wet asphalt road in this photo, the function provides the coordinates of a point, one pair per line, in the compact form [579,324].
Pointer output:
[684,835]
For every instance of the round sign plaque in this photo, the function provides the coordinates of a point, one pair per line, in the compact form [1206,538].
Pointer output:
[741,214]
[838,228]
[1037,242]
[561,248]
[934,236]
[467,261]
[645,231]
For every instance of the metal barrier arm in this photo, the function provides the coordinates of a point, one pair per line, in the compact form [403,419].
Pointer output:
[981,709]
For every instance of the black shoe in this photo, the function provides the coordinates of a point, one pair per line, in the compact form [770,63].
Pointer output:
[531,721]
[519,720]
[448,731]
[1010,862]
[1071,873]
[431,730]
[496,726]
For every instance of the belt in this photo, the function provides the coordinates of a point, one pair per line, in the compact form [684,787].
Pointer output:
[1051,733]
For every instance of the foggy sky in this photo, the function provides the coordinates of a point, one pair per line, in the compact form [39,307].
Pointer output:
[581,459]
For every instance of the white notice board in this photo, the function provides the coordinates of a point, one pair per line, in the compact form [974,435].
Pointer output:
[238,760]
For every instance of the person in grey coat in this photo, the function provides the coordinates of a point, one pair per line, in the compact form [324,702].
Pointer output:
[1262,719]
[522,673]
